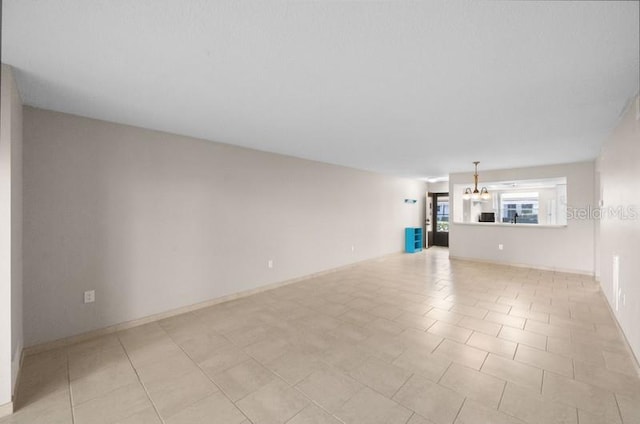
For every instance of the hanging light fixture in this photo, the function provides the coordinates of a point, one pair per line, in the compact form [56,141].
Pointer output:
[476,194]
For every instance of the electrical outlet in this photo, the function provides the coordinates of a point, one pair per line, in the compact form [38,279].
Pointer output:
[90,296]
[501,246]
[270,263]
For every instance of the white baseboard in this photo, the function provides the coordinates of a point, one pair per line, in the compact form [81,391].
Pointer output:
[16,367]
[518,265]
[67,341]
[636,361]
[6,409]
[16,364]
[587,274]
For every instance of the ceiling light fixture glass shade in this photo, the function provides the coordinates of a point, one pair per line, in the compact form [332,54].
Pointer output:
[476,194]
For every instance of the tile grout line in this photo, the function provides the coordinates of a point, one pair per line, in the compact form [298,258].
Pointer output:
[347,374]
[615,396]
[293,387]
[73,418]
[105,393]
[460,409]
[515,351]
[483,361]
[504,390]
[445,371]
[410,416]
[331,414]
[438,345]
[401,386]
[207,375]
[155,408]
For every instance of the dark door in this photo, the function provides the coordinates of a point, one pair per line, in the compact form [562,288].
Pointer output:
[441,219]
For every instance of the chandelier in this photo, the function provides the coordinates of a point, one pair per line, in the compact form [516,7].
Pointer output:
[476,194]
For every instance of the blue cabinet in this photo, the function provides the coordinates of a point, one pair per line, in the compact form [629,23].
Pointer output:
[412,240]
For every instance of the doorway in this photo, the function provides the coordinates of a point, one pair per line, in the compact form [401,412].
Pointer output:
[440,219]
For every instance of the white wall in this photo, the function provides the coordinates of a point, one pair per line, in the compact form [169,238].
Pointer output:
[11,334]
[154,221]
[619,170]
[569,248]
[439,187]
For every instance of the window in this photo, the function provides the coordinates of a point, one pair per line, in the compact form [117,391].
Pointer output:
[442,214]
[519,207]
[534,202]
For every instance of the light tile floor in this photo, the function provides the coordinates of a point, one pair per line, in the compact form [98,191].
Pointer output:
[409,339]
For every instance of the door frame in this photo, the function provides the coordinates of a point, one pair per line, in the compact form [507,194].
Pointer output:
[440,238]
[428,224]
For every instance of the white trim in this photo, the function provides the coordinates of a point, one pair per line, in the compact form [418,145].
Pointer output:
[6,409]
[16,364]
[542,268]
[636,361]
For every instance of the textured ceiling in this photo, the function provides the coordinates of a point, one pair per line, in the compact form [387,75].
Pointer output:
[412,88]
